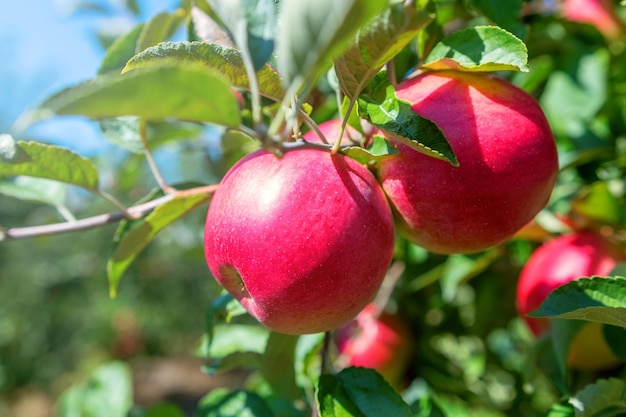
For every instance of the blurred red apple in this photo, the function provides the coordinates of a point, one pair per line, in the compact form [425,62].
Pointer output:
[599,13]
[303,242]
[555,263]
[507,155]
[382,342]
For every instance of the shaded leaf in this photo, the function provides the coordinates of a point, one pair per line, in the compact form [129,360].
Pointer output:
[121,50]
[36,190]
[596,299]
[311,34]
[504,13]
[376,44]
[187,92]
[134,239]
[598,203]
[358,392]
[605,396]
[380,106]
[52,162]
[615,338]
[280,354]
[252,25]
[222,309]
[159,28]
[227,61]
[223,403]
[481,48]
[107,393]
[124,132]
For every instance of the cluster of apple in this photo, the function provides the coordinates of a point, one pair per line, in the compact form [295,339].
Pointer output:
[304,241]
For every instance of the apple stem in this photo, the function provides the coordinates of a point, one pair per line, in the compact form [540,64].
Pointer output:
[325,365]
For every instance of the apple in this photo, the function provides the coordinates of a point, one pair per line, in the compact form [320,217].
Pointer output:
[303,241]
[378,341]
[555,263]
[507,156]
[599,13]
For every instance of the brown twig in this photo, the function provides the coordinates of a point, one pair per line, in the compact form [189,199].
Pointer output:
[137,211]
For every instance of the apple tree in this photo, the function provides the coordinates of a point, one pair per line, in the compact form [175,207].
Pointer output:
[418,207]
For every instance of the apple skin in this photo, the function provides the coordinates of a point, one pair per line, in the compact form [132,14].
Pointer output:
[555,263]
[599,13]
[381,342]
[507,155]
[303,241]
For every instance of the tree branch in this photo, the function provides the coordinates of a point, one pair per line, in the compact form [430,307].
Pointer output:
[137,211]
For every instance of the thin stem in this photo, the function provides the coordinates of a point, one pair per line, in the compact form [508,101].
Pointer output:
[137,211]
[386,289]
[344,123]
[143,135]
[114,201]
[325,366]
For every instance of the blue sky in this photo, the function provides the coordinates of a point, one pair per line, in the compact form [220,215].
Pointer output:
[46,45]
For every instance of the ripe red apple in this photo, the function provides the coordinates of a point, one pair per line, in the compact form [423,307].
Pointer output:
[507,155]
[378,341]
[599,13]
[561,260]
[302,241]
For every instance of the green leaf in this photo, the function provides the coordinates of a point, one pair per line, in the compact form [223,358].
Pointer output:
[157,29]
[162,410]
[252,25]
[124,132]
[129,241]
[222,309]
[504,13]
[597,299]
[280,354]
[223,403]
[615,338]
[358,392]
[227,61]
[187,92]
[573,95]
[121,50]
[561,410]
[230,338]
[36,190]
[376,44]
[600,398]
[312,33]
[481,48]
[598,203]
[378,148]
[52,162]
[380,106]
[107,393]
[562,334]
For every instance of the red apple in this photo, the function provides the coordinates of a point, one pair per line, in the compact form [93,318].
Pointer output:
[381,342]
[561,260]
[507,155]
[303,242]
[599,13]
